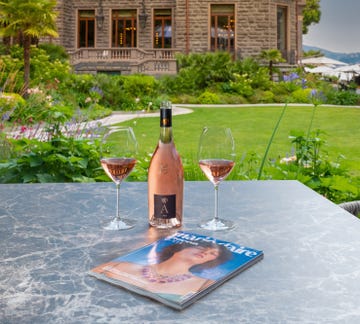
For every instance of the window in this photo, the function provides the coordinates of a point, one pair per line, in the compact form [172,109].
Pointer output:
[86,28]
[124,28]
[222,27]
[162,28]
[282,29]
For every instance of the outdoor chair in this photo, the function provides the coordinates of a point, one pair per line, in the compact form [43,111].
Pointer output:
[352,207]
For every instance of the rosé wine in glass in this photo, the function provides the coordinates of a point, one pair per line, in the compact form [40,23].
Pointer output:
[216,156]
[118,148]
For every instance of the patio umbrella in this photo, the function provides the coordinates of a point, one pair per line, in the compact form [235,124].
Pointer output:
[328,71]
[322,60]
[321,69]
[354,68]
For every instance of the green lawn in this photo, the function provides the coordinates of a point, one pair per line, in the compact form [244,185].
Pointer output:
[252,127]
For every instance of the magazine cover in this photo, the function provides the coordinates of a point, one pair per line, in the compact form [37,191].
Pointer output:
[178,269]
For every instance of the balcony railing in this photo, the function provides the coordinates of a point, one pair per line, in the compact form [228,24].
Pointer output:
[152,61]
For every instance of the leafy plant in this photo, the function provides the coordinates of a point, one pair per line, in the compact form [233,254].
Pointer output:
[11,75]
[343,97]
[272,56]
[200,71]
[312,166]
[55,52]
[62,159]
[300,96]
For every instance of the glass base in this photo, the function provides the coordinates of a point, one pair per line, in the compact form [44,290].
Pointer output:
[118,225]
[218,225]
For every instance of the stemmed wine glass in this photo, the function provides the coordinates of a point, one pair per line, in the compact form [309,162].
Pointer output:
[216,156]
[118,149]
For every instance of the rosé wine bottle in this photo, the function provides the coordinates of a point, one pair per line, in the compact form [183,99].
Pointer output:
[166,177]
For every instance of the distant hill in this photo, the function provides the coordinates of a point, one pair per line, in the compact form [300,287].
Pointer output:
[350,58]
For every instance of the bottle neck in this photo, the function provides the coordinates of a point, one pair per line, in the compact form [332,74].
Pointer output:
[166,135]
[166,125]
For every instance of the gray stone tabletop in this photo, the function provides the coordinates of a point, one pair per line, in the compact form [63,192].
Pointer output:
[50,237]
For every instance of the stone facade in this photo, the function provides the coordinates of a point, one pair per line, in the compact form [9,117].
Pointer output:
[255,29]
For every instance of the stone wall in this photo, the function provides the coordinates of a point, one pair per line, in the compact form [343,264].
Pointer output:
[255,24]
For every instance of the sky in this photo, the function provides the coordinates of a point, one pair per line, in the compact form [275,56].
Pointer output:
[339,27]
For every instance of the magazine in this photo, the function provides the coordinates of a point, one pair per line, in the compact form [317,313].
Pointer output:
[178,269]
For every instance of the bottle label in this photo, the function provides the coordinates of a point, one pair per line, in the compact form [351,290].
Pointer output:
[165,206]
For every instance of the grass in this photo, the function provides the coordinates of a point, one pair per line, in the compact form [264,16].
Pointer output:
[252,127]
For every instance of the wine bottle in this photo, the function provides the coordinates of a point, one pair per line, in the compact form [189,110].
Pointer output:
[165,177]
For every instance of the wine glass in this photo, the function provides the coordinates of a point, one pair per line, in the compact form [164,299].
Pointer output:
[118,148]
[216,156]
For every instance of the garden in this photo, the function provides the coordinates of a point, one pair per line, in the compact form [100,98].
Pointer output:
[45,134]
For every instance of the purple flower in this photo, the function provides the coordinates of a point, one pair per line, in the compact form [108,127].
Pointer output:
[303,83]
[5,116]
[294,76]
[97,90]
[317,97]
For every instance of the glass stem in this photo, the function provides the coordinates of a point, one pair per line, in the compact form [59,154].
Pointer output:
[216,209]
[118,201]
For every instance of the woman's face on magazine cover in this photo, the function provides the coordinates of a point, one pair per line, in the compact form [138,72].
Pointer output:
[199,254]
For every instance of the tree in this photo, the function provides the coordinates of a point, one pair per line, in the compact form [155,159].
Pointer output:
[273,56]
[313,53]
[311,13]
[27,19]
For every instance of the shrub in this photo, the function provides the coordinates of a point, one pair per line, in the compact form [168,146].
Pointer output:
[345,98]
[241,84]
[258,75]
[11,75]
[229,98]
[201,71]
[183,99]
[110,85]
[40,106]
[312,167]
[10,102]
[139,85]
[62,159]
[55,52]
[261,96]
[79,83]
[45,71]
[301,96]
[208,97]
[170,84]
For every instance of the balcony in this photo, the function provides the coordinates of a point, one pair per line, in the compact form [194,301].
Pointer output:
[124,61]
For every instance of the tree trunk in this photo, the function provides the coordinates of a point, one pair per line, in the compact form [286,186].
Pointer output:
[27,44]
[271,69]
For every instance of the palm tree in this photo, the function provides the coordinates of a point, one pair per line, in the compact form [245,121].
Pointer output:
[272,56]
[28,19]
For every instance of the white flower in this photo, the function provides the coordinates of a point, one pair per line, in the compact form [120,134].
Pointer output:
[287,160]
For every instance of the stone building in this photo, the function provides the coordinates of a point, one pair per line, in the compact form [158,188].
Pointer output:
[143,36]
